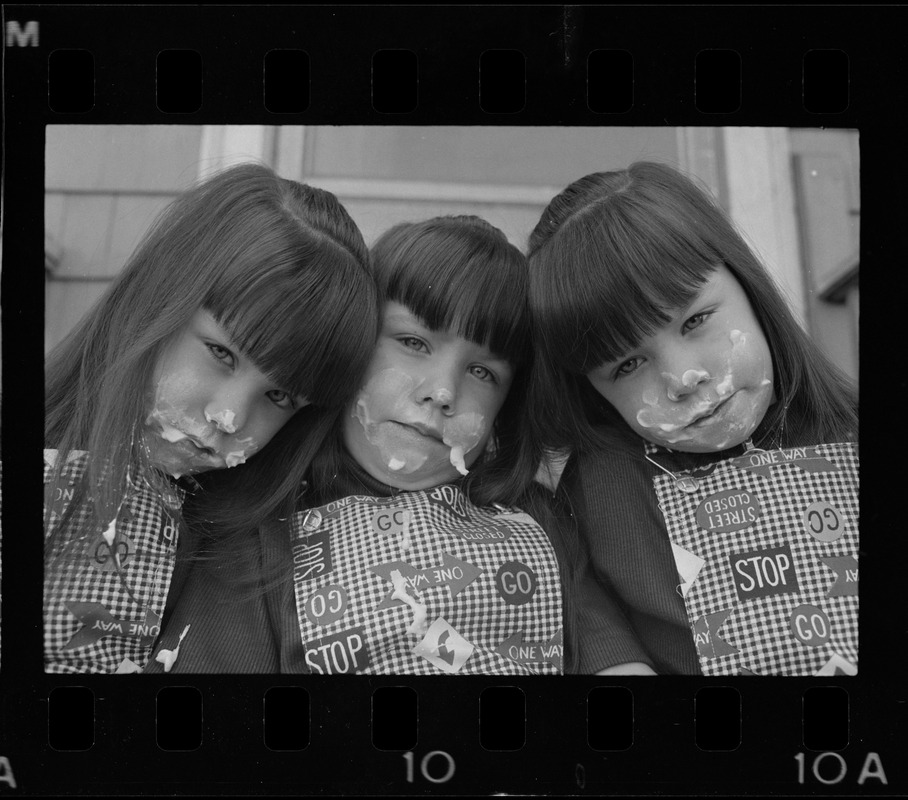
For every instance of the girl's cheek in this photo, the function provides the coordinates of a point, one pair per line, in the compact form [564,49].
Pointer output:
[385,391]
[388,395]
[173,395]
[745,365]
[462,433]
[748,361]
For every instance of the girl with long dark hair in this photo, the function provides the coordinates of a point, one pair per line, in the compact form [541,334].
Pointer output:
[713,464]
[197,390]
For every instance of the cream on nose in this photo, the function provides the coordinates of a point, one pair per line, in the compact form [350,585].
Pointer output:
[440,396]
[224,420]
[677,388]
[444,397]
[229,411]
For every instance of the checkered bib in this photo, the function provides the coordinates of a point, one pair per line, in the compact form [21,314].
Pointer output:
[425,583]
[766,549]
[94,620]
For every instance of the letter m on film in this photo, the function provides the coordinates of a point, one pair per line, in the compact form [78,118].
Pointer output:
[17,36]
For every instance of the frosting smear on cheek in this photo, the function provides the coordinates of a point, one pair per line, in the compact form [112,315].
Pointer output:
[247,449]
[388,389]
[667,420]
[462,433]
[387,395]
[175,424]
[169,412]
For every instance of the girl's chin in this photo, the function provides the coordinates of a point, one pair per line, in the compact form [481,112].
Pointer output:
[704,441]
[731,424]
[425,477]
[701,447]
[181,458]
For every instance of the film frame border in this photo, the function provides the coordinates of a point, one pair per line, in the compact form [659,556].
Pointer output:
[555,42]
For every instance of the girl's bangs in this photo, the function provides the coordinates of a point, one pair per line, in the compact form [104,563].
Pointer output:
[480,294]
[620,280]
[309,328]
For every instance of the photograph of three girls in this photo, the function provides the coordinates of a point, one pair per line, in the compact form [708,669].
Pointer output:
[613,445]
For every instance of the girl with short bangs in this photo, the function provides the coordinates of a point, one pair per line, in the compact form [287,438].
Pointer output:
[411,551]
[698,415]
[236,331]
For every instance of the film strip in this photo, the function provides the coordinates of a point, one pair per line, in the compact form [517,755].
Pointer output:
[522,67]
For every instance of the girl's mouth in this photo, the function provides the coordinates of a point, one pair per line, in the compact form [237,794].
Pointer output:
[201,448]
[423,430]
[182,439]
[709,416]
[193,446]
[416,435]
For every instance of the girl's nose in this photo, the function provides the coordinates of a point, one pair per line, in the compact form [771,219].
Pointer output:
[438,390]
[677,387]
[227,412]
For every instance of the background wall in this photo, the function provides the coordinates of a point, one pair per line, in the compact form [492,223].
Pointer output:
[793,193]
[104,185]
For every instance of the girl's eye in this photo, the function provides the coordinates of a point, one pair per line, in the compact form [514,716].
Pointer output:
[220,353]
[627,367]
[483,373]
[413,343]
[280,398]
[695,321]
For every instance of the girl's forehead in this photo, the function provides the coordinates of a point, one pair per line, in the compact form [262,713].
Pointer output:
[721,281]
[719,284]
[717,280]
[398,312]
[205,320]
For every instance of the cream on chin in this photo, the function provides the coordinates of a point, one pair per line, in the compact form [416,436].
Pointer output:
[247,450]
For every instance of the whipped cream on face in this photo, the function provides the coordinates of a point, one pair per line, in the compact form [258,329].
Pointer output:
[171,434]
[239,456]
[395,444]
[670,421]
[174,425]
[234,458]
[223,419]
[462,433]
[389,391]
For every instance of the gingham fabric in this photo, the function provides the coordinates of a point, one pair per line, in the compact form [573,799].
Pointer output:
[766,549]
[94,621]
[477,589]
